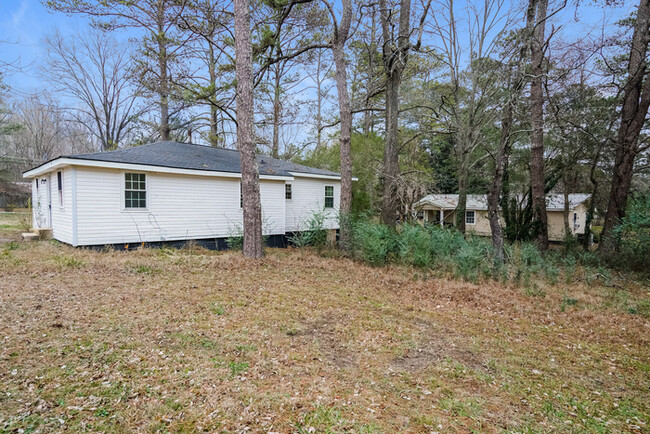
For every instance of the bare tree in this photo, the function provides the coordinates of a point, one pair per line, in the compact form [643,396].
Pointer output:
[159,48]
[474,98]
[634,111]
[320,75]
[251,205]
[209,25]
[93,70]
[42,128]
[396,48]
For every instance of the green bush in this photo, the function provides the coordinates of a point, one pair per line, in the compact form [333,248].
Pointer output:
[473,260]
[414,246]
[313,235]
[634,235]
[235,240]
[447,251]
[373,242]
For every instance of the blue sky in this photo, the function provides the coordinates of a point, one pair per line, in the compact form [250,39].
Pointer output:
[24,23]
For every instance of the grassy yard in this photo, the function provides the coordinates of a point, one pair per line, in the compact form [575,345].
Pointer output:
[191,340]
[13,223]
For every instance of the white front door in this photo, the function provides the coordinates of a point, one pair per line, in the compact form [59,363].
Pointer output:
[43,206]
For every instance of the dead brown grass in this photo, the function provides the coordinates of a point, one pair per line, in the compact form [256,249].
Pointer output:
[167,340]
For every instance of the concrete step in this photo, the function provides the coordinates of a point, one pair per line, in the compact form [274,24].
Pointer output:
[30,236]
[44,233]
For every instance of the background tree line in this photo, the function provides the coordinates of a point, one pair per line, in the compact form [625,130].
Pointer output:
[412,97]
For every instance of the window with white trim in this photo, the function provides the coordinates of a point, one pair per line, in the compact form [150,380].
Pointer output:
[287,191]
[135,191]
[329,196]
[59,185]
[470,217]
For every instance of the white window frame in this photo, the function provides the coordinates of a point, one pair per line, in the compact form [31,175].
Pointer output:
[288,188]
[123,190]
[59,191]
[327,197]
[473,217]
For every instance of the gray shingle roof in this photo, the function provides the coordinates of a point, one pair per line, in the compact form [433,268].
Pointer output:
[197,157]
[554,202]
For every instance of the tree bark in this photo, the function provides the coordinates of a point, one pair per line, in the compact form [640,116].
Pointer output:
[500,164]
[395,57]
[565,212]
[634,110]
[340,37]
[277,108]
[499,184]
[214,131]
[391,151]
[540,224]
[368,115]
[164,76]
[463,173]
[319,101]
[251,205]
[586,242]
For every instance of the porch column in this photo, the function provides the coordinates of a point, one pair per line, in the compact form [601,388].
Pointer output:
[442,218]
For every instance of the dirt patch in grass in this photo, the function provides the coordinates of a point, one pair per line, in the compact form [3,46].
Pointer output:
[435,346]
[191,340]
[323,332]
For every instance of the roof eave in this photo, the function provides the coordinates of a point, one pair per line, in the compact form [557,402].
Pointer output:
[67,161]
[319,176]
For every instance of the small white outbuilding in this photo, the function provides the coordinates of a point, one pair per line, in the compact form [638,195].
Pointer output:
[168,192]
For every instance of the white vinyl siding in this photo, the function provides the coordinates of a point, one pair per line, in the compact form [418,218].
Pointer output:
[179,207]
[52,208]
[308,197]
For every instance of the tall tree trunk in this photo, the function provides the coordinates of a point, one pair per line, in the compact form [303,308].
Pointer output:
[634,110]
[499,184]
[163,88]
[214,131]
[345,113]
[391,151]
[368,115]
[277,108]
[537,136]
[463,173]
[319,103]
[567,226]
[251,205]
[586,242]
[500,167]
[395,59]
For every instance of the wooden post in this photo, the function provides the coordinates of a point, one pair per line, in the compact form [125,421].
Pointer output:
[331,237]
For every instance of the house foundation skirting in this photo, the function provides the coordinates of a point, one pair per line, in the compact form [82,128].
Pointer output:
[276,241]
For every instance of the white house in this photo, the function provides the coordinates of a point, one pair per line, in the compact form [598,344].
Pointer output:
[172,192]
[440,209]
